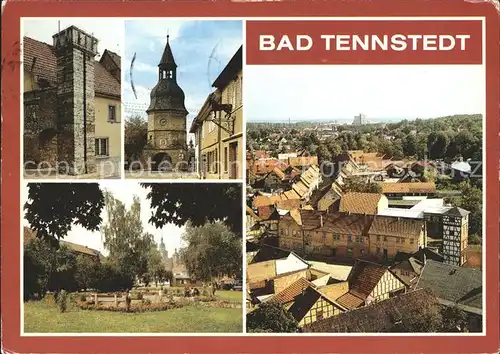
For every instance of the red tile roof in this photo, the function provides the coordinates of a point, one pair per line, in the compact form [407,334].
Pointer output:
[290,293]
[360,203]
[394,226]
[45,64]
[350,301]
[364,277]
[412,187]
[380,316]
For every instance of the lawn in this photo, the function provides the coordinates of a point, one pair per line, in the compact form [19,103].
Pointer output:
[42,318]
[229,295]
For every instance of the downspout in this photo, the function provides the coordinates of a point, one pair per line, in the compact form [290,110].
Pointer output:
[85,111]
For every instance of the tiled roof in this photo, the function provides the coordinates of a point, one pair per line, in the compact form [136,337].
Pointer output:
[80,249]
[289,204]
[411,264]
[291,292]
[265,211]
[379,316]
[267,253]
[303,160]
[306,300]
[393,226]
[360,203]
[252,213]
[412,187]
[261,154]
[279,173]
[350,301]
[267,165]
[30,235]
[296,216]
[300,188]
[262,200]
[334,222]
[46,63]
[455,284]
[364,277]
[457,211]
[291,195]
[115,57]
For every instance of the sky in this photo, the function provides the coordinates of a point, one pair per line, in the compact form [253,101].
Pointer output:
[279,93]
[124,191]
[201,50]
[109,32]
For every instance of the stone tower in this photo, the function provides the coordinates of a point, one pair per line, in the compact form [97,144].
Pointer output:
[75,51]
[167,147]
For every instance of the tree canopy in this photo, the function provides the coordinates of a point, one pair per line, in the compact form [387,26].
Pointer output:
[128,244]
[53,208]
[271,316]
[199,203]
[212,251]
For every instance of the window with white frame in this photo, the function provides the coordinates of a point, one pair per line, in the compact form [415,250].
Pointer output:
[102,147]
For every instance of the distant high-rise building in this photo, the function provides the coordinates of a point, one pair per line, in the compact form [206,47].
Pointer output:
[360,119]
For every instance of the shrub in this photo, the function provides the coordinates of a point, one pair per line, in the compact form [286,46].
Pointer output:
[50,299]
[143,307]
[146,301]
[62,301]
[475,239]
[83,297]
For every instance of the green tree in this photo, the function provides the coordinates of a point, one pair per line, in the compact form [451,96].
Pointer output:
[53,208]
[87,272]
[47,268]
[37,262]
[136,129]
[362,187]
[271,316]
[124,237]
[324,155]
[437,144]
[156,267]
[198,203]
[410,145]
[472,200]
[212,251]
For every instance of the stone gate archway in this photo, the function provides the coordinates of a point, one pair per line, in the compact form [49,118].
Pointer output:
[161,162]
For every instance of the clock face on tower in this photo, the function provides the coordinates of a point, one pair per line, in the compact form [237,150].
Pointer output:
[163,121]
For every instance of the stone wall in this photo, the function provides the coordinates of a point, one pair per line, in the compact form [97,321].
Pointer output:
[76,124]
[40,135]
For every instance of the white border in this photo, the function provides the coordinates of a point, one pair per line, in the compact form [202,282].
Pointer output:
[243,182]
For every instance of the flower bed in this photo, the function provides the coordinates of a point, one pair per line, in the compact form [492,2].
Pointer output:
[142,307]
[219,304]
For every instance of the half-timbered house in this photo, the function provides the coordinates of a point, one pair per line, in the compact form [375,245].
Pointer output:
[370,282]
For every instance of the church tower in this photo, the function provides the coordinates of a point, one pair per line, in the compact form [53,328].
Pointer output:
[163,250]
[167,146]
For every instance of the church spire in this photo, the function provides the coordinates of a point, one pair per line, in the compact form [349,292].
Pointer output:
[167,61]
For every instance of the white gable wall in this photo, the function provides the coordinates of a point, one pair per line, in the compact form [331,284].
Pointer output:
[290,264]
